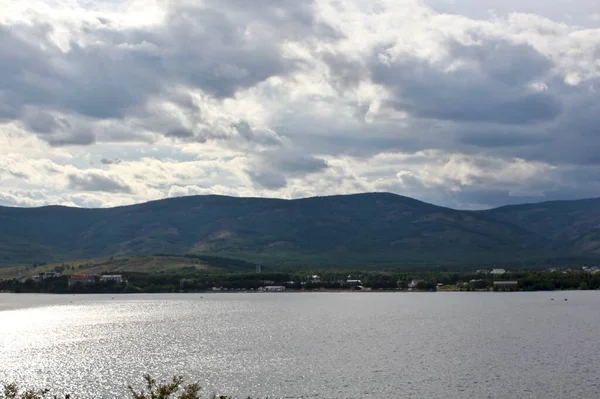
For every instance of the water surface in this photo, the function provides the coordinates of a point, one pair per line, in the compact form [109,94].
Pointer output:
[377,345]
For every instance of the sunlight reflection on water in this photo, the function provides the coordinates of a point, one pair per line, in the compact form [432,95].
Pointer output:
[446,345]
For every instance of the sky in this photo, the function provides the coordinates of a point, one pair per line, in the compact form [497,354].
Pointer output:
[469,104]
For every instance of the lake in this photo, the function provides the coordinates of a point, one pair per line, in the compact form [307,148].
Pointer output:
[328,345]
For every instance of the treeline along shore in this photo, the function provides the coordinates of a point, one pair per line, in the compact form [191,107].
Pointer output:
[308,281]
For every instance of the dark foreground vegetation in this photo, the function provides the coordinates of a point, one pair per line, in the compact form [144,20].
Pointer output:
[174,389]
[315,280]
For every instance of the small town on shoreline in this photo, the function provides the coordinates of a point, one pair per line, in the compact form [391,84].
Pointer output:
[62,280]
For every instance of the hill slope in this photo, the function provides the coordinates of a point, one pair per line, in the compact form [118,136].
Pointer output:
[573,224]
[134,264]
[350,230]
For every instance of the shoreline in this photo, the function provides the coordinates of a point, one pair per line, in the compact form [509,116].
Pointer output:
[288,292]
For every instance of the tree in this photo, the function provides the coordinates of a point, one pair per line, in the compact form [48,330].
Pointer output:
[174,389]
[425,285]
[171,390]
[480,284]
[12,391]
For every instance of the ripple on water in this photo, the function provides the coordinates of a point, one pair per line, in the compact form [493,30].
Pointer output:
[443,345]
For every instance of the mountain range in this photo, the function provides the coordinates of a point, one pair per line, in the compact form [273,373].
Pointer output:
[360,230]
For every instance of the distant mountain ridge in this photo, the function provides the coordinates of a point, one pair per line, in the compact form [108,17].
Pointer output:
[372,229]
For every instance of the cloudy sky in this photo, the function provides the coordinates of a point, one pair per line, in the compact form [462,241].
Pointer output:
[463,103]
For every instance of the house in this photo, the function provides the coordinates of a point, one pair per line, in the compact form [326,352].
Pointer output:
[591,269]
[315,279]
[498,272]
[47,275]
[87,279]
[274,288]
[39,276]
[506,285]
[353,282]
[117,278]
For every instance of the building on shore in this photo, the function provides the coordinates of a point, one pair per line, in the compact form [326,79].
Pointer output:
[274,288]
[82,279]
[39,276]
[498,272]
[591,269]
[353,282]
[117,278]
[48,275]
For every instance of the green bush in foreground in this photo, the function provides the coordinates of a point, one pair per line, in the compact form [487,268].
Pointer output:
[174,389]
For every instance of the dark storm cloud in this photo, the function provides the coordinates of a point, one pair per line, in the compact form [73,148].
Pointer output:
[344,72]
[295,164]
[269,179]
[110,161]
[99,82]
[7,111]
[43,122]
[495,91]
[91,181]
[571,139]
[485,198]
[257,136]
[496,138]
[76,138]
[222,59]
[180,133]
[21,63]
[13,173]
[272,169]
[251,137]
[218,47]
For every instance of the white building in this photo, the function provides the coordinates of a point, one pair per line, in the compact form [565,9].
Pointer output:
[39,276]
[591,269]
[46,275]
[498,272]
[117,278]
[274,288]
